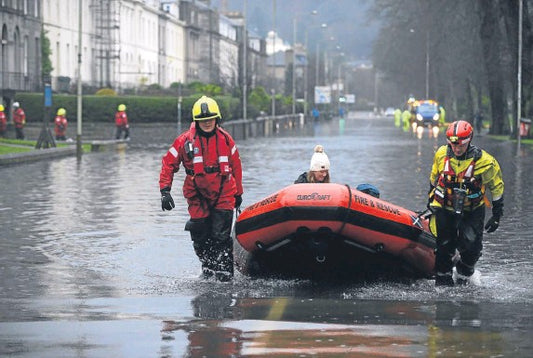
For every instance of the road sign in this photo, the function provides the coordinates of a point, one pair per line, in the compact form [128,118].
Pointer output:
[322,94]
[350,98]
[47,95]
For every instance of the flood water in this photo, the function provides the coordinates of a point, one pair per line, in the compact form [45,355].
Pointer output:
[91,267]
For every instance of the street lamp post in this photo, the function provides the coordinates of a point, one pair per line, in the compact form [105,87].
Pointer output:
[245,64]
[273,89]
[273,94]
[294,66]
[519,78]
[306,74]
[339,82]
[317,74]
[79,118]
[427,64]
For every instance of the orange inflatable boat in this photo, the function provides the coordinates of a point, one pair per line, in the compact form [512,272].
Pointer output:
[316,230]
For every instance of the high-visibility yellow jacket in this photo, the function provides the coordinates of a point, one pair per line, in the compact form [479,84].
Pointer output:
[406,119]
[486,174]
[442,117]
[397,117]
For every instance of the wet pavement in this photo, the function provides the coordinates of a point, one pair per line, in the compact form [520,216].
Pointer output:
[91,267]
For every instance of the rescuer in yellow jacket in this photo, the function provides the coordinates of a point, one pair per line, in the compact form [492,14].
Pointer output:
[406,120]
[442,117]
[397,117]
[460,174]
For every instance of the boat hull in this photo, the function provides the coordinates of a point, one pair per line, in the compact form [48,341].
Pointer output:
[316,230]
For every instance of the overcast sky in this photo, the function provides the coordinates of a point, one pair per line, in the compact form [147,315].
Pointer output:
[348,25]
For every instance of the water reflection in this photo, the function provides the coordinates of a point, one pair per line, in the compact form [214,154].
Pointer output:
[281,327]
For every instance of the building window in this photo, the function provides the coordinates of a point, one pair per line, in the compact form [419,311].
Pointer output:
[25,56]
[67,73]
[37,54]
[58,57]
[17,53]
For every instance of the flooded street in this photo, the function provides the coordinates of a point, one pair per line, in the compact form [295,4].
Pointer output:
[91,267]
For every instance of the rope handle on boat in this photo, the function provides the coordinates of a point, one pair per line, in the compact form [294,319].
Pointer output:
[424,214]
[347,211]
[235,214]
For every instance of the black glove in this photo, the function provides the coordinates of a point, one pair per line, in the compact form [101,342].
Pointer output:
[431,196]
[497,212]
[238,201]
[167,203]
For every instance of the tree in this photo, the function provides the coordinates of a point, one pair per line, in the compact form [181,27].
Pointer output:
[207,89]
[259,99]
[491,40]
[46,63]
[462,41]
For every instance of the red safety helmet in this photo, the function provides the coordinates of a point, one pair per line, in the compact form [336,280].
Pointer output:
[459,132]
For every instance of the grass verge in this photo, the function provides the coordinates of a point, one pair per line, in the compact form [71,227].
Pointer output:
[4,149]
[524,141]
[8,146]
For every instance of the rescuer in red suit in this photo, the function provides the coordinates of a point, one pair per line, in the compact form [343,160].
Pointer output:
[3,121]
[60,124]
[19,119]
[121,122]
[212,186]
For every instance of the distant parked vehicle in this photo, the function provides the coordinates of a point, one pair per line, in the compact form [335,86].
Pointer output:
[427,115]
[389,112]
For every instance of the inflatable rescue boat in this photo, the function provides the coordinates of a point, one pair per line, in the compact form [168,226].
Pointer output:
[331,230]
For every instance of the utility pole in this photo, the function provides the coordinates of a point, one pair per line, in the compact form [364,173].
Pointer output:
[427,63]
[79,150]
[245,65]
[179,107]
[294,65]
[519,79]
[306,74]
[273,90]
[426,25]
[317,73]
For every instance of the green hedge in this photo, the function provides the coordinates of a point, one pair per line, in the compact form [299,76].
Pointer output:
[139,109]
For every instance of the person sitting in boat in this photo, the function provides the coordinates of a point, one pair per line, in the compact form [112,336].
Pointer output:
[318,170]
[368,189]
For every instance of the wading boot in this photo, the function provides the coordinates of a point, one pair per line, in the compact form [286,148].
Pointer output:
[444,279]
[464,272]
[223,276]
[207,273]
[462,280]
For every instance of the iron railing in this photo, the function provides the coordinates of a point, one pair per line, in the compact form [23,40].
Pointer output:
[18,81]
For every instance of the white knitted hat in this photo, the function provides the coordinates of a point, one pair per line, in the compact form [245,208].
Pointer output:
[319,160]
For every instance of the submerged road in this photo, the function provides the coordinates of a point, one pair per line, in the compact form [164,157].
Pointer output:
[91,267]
